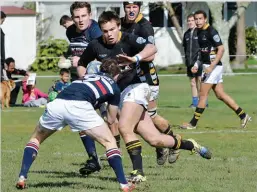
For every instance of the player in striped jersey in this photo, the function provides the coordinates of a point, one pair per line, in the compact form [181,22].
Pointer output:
[75,106]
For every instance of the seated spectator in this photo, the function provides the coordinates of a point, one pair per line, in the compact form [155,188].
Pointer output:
[59,85]
[32,96]
[7,71]
[66,21]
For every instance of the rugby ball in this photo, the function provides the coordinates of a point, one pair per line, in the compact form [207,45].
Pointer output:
[52,95]
[64,63]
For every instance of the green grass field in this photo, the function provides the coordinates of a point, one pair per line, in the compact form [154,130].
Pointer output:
[233,167]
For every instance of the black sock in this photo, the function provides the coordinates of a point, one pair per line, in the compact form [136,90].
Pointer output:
[117,137]
[240,112]
[177,140]
[134,150]
[187,145]
[197,115]
[168,131]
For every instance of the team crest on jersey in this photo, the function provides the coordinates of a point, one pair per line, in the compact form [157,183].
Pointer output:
[140,40]
[151,39]
[216,38]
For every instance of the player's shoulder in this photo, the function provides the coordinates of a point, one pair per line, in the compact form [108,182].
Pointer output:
[212,30]
[94,24]
[71,29]
[144,22]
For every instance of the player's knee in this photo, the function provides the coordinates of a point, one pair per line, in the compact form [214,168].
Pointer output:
[152,112]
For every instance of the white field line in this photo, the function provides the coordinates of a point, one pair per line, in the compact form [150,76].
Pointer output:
[161,75]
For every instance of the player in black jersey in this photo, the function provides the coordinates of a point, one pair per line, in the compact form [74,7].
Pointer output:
[129,49]
[135,23]
[211,49]
[135,119]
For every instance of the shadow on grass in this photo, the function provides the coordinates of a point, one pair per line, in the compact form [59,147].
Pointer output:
[66,184]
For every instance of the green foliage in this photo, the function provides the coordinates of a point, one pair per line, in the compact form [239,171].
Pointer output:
[251,40]
[48,53]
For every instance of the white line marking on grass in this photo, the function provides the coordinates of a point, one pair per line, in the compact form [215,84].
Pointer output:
[218,131]
[17,111]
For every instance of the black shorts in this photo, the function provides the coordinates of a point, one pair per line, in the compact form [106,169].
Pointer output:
[197,74]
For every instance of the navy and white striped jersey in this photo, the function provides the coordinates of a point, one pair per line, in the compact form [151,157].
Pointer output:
[94,88]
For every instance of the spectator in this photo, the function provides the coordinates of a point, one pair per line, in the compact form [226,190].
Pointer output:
[3,16]
[32,96]
[9,69]
[66,21]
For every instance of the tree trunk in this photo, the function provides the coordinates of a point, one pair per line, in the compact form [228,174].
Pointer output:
[241,44]
[223,30]
[174,19]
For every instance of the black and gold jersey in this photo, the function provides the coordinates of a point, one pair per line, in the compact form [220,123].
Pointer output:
[209,40]
[143,28]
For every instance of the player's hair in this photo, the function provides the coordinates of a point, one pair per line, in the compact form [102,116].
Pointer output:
[111,67]
[64,19]
[138,3]
[78,4]
[3,15]
[63,71]
[9,60]
[201,12]
[107,16]
[190,15]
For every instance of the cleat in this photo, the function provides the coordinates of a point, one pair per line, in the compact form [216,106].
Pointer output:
[128,188]
[202,151]
[173,155]
[21,184]
[136,177]
[161,155]
[245,121]
[90,167]
[192,106]
[187,126]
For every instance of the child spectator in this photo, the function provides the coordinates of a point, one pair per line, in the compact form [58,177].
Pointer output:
[60,84]
[32,96]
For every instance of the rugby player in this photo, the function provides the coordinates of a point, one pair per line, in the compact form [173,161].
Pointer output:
[129,49]
[212,50]
[135,23]
[83,31]
[191,49]
[75,106]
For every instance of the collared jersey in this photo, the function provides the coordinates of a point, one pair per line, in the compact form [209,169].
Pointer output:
[209,40]
[80,40]
[143,28]
[94,88]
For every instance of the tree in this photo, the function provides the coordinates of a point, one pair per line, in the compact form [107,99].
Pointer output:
[223,27]
[241,44]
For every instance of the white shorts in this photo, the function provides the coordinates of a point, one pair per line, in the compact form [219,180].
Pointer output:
[214,77]
[79,115]
[154,93]
[138,93]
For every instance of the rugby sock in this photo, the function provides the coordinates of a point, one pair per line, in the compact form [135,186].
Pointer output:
[114,159]
[240,112]
[134,149]
[117,138]
[177,141]
[89,145]
[29,155]
[187,145]
[195,101]
[197,115]
[168,131]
